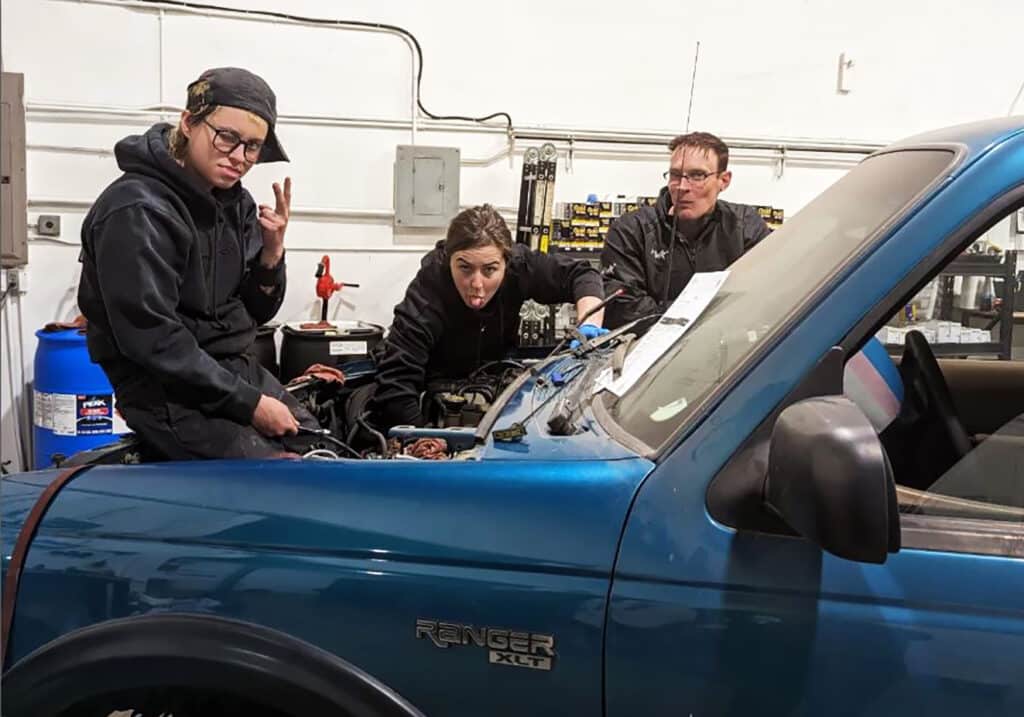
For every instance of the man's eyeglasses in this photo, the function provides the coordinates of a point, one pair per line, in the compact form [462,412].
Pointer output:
[226,141]
[694,178]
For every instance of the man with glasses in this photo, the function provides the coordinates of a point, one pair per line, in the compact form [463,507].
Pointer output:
[179,266]
[652,253]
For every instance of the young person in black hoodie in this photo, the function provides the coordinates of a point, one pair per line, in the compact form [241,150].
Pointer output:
[179,266]
[462,310]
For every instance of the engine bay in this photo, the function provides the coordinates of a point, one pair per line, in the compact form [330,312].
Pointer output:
[452,409]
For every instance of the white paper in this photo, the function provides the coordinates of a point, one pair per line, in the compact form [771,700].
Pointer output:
[65,410]
[347,348]
[683,312]
[669,410]
[42,410]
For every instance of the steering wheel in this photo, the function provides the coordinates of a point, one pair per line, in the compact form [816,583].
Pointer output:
[929,420]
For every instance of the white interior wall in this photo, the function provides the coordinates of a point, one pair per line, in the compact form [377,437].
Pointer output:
[764,70]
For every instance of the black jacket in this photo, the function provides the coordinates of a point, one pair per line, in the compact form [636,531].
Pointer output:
[434,333]
[636,255]
[170,282]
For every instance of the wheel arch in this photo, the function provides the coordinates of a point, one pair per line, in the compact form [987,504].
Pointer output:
[195,651]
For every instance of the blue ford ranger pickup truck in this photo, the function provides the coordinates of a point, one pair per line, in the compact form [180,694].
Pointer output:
[697,519]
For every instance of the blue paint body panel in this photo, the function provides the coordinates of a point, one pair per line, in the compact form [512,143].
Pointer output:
[743,623]
[656,608]
[347,556]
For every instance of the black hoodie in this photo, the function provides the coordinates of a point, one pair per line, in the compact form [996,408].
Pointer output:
[171,282]
[638,254]
[435,334]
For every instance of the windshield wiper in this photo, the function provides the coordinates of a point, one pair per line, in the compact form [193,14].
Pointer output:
[619,357]
[486,425]
[517,430]
[573,332]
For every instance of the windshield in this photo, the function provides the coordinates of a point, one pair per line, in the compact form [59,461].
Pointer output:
[767,284]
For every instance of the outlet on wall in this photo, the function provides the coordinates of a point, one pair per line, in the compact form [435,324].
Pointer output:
[48,225]
[16,280]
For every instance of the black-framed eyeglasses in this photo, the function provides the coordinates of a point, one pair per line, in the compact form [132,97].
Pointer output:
[695,177]
[227,140]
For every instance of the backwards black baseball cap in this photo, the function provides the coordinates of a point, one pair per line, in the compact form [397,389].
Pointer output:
[235,87]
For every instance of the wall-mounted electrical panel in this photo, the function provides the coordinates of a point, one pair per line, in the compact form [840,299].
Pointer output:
[13,208]
[426,185]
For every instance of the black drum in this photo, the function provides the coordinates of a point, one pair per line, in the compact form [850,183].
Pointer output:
[345,342]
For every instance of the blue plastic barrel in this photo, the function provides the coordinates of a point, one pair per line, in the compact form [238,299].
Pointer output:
[73,407]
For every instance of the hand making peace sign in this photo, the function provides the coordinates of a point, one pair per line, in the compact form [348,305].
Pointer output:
[274,222]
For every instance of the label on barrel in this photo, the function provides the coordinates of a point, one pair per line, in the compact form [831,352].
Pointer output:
[42,410]
[62,413]
[347,348]
[70,414]
[95,414]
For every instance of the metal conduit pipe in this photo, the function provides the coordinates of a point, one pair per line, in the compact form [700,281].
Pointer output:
[60,149]
[105,114]
[536,133]
[298,212]
[606,153]
[663,138]
[307,212]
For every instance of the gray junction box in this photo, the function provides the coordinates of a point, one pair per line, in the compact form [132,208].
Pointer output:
[426,185]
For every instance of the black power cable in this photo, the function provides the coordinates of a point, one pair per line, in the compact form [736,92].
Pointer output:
[342,23]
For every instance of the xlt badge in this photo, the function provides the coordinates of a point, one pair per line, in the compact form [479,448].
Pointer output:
[532,650]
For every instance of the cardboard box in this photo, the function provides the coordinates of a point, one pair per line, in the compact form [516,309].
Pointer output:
[892,335]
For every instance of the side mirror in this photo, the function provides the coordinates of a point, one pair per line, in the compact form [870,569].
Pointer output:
[830,480]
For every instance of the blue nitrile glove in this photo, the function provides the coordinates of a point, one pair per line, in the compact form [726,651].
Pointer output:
[590,331]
